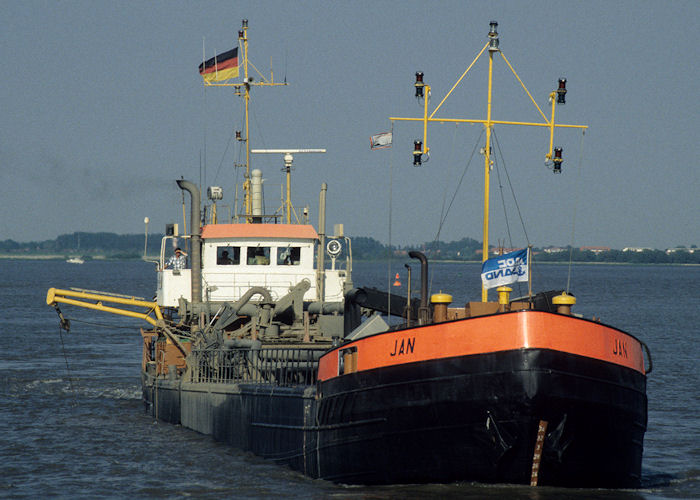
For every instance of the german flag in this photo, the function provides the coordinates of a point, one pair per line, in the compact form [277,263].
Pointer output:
[221,67]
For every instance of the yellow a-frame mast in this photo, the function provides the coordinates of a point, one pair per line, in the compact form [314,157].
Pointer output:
[553,155]
[243,88]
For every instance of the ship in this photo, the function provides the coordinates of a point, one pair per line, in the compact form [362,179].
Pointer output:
[264,342]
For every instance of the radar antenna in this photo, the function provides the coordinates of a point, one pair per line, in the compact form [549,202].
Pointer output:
[288,160]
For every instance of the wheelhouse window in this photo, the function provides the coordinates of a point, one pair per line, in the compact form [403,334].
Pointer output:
[227,256]
[288,256]
[258,256]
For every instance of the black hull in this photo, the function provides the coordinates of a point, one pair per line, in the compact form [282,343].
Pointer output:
[476,418]
[469,418]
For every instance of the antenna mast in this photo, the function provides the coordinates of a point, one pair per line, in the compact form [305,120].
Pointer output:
[243,89]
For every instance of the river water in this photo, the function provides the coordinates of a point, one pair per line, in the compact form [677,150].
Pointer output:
[73,425]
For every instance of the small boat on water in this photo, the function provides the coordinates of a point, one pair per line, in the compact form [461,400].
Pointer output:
[264,342]
[75,260]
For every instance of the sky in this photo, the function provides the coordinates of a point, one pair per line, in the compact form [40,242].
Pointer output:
[102,108]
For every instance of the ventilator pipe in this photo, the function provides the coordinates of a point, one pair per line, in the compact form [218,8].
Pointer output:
[256,195]
[564,302]
[441,302]
[196,250]
[503,298]
[423,311]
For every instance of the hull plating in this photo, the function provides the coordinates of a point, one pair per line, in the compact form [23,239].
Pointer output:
[476,418]
[462,418]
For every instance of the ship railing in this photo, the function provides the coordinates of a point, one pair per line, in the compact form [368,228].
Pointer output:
[283,366]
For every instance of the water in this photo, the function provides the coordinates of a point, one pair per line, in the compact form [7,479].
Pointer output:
[75,427]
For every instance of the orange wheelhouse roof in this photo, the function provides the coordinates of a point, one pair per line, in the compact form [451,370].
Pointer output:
[301,231]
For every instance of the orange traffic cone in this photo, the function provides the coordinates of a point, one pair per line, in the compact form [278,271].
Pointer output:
[397,282]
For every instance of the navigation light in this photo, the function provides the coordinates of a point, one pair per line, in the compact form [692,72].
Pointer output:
[561,91]
[493,37]
[557,160]
[419,84]
[417,153]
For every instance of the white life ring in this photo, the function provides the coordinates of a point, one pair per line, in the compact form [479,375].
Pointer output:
[333,247]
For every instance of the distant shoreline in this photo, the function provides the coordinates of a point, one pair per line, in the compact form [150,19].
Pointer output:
[37,257]
[550,262]
[150,258]
[130,247]
[66,257]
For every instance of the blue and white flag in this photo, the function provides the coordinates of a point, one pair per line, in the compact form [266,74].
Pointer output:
[505,269]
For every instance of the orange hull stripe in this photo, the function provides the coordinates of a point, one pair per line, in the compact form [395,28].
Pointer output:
[504,332]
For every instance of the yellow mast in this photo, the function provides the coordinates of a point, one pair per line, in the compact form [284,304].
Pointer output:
[243,89]
[553,155]
[493,47]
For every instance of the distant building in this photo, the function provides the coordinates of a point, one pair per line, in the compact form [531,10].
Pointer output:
[492,251]
[554,250]
[508,250]
[595,249]
[635,249]
[669,251]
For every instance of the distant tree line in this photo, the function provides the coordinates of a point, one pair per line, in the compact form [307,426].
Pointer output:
[468,249]
[363,248]
[87,244]
[646,256]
